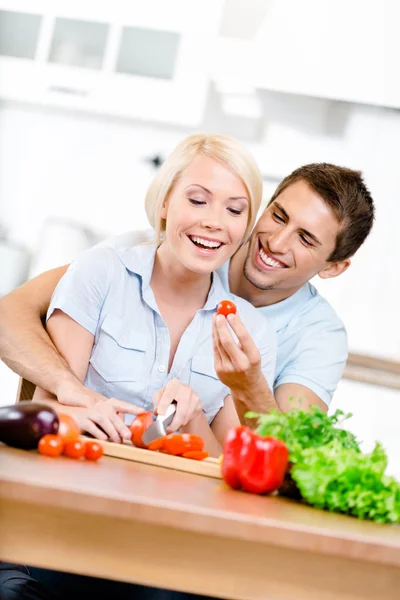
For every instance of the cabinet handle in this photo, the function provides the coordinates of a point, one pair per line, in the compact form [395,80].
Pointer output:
[59,89]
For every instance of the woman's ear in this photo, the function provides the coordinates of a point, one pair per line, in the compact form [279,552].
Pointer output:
[335,269]
[164,210]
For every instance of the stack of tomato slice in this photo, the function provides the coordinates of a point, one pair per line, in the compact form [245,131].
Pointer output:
[187,445]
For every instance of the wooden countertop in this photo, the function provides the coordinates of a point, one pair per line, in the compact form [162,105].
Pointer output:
[131,491]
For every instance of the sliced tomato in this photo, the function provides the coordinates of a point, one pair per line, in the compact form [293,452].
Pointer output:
[157,444]
[195,455]
[139,426]
[179,443]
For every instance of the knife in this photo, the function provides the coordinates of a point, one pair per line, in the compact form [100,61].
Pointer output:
[159,427]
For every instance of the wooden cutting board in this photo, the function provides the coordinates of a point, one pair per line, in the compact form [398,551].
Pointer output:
[209,467]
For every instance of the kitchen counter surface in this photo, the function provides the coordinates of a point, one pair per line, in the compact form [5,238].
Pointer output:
[141,523]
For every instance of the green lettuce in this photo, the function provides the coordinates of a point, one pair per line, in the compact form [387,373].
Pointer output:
[328,469]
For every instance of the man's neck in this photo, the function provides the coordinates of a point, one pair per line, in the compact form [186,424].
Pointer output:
[241,286]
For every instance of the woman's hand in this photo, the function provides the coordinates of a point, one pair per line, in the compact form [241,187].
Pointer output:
[188,405]
[105,419]
[238,365]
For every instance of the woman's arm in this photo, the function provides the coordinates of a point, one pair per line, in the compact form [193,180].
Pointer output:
[75,344]
[26,347]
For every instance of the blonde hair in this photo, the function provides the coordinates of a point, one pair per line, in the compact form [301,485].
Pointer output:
[231,153]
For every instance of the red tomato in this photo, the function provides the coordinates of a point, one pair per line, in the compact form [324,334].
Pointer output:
[68,428]
[179,443]
[226,307]
[139,426]
[94,450]
[195,455]
[51,445]
[75,449]
[157,444]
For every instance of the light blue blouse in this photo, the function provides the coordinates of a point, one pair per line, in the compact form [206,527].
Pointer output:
[107,291]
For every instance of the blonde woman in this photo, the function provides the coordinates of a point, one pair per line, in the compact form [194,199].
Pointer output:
[136,324]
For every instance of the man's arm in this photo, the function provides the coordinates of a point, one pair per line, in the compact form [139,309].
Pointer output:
[25,345]
[302,397]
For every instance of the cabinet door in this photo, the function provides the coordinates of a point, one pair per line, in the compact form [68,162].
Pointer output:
[147,52]
[78,43]
[19,34]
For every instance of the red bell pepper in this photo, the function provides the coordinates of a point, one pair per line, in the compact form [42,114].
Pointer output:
[254,463]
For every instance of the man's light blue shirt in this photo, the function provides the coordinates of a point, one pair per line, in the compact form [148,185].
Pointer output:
[312,340]
[107,291]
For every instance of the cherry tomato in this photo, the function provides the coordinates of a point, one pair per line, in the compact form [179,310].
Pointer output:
[75,449]
[226,307]
[195,455]
[179,443]
[94,450]
[51,445]
[68,428]
[139,426]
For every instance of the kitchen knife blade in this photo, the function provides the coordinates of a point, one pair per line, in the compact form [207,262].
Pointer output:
[159,427]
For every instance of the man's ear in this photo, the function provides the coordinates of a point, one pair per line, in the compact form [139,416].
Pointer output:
[335,269]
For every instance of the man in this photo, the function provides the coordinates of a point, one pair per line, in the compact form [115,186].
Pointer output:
[317,219]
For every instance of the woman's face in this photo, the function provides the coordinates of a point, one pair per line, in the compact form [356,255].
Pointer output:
[206,215]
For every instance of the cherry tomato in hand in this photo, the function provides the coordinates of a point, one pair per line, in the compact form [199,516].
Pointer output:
[93,451]
[75,449]
[68,429]
[226,307]
[139,426]
[51,445]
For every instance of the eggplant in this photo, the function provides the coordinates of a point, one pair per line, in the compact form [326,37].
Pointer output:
[23,424]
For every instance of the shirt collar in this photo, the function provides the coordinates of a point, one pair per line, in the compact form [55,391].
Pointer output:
[140,260]
[284,311]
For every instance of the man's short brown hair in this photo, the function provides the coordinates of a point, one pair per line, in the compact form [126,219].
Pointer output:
[345,192]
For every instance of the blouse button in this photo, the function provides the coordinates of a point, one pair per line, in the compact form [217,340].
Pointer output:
[161,368]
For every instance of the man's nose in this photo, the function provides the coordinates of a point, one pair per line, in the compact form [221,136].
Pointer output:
[279,242]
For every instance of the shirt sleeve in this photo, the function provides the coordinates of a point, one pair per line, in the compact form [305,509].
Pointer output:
[82,290]
[317,358]
[267,345]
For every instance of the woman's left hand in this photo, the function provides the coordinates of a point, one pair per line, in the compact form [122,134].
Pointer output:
[188,404]
[238,365]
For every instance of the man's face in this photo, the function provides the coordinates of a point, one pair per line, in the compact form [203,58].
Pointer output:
[291,241]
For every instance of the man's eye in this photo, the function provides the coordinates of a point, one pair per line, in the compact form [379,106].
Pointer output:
[306,241]
[278,217]
[196,202]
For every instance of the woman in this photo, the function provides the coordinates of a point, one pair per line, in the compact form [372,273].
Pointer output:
[136,324]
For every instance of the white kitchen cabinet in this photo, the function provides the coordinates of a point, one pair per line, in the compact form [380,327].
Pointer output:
[341,50]
[131,59]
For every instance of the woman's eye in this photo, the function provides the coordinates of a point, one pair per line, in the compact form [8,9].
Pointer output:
[235,211]
[306,241]
[277,217]
[196,202]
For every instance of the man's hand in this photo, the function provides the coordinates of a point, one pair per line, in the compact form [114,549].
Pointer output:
[238,366]
[105,419]
[188,405]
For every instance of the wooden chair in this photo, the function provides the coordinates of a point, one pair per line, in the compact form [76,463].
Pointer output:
[25,390]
